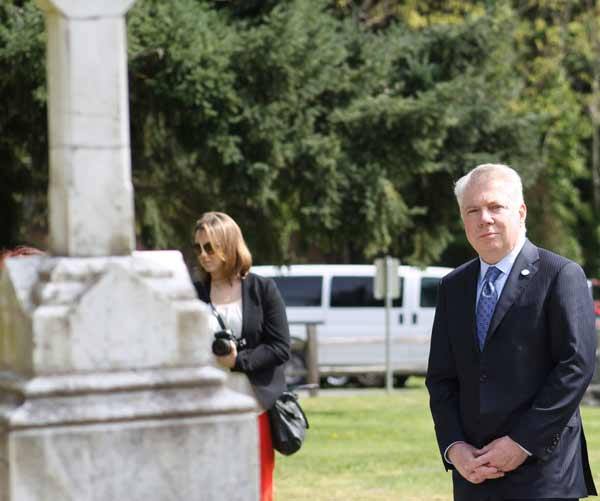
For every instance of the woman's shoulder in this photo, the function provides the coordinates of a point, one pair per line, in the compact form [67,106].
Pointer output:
[259,280]
[264,285]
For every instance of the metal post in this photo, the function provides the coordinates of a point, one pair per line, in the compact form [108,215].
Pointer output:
[312,360]
[389,384]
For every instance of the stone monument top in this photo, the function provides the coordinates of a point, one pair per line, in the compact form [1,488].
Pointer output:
[90,196]
[79,9]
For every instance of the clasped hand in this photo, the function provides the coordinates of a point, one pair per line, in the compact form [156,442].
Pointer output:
[492,461]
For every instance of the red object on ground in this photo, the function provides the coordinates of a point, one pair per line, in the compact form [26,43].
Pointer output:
[596,295]
[267,458]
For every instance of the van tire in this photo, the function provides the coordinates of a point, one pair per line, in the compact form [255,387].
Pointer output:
[400,380]
[337,381]
[371,379]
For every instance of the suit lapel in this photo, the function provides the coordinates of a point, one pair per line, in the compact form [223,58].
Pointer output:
[470,288]
[523,270]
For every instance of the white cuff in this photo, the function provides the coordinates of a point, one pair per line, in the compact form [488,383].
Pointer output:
[448,448]
[523,449]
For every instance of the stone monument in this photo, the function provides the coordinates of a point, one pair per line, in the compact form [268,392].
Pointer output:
[106,392]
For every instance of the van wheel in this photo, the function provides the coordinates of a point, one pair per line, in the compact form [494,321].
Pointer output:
[295,369]
[371,380]
[337,381]
[400,381]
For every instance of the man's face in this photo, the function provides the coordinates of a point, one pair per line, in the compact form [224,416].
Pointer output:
[493,220]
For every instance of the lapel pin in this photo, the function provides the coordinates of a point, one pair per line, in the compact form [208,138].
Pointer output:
[525,272]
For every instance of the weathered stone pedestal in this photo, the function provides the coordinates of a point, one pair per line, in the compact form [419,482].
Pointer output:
[106,392]
[105,389]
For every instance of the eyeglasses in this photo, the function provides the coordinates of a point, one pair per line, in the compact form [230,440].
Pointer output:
[207,248]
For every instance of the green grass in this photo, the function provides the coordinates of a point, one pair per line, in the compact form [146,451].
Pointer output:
[375,447]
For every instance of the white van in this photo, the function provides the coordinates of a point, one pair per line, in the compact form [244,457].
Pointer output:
[351,322]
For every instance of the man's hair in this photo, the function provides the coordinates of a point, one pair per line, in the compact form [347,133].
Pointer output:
[499,172]
[228,242]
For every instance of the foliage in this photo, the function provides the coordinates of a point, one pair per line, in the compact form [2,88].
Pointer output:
[330,130]
[313,133]
[555,199]
[557,57]
[23,142]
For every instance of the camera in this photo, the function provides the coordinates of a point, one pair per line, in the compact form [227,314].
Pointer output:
[220,345]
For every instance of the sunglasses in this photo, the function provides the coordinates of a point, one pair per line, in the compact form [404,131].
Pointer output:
[207,248]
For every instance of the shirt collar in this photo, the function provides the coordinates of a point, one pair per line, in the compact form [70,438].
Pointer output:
[506,263]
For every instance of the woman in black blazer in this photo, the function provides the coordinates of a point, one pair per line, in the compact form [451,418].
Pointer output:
[251,306]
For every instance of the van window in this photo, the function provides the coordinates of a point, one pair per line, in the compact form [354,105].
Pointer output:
[300,291]
[429,291]
[357,292]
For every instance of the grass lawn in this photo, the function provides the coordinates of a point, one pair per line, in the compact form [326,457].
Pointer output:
[375,447]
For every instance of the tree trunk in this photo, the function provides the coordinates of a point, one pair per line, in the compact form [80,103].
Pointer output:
[594,104]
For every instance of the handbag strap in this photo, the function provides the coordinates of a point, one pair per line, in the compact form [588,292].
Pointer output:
[206,291]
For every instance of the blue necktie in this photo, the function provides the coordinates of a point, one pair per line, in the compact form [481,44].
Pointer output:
[487,302]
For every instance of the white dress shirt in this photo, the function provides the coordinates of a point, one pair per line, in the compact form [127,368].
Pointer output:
[504,265]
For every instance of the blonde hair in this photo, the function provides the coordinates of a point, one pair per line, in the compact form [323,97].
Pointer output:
[227,240]
[503,172]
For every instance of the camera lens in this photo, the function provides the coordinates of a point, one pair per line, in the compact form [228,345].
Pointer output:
[221,347]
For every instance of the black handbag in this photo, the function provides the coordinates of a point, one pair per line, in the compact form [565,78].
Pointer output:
[288,424]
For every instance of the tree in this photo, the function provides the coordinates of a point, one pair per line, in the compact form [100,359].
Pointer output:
[312,132]
[557,59]
[556,55]
[325,137]
[23,137]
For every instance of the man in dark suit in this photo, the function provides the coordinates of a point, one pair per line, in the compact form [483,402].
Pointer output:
[512,352]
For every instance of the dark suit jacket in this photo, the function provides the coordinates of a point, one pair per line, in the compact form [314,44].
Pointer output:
[528,380]
[265,329]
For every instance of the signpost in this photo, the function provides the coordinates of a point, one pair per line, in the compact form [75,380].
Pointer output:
[387,286]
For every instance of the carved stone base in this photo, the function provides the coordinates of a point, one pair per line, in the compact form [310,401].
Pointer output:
[65,315]
[152,435]
[105,388]
[187,459]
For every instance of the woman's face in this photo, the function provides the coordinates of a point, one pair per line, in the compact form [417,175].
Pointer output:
[207,257]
